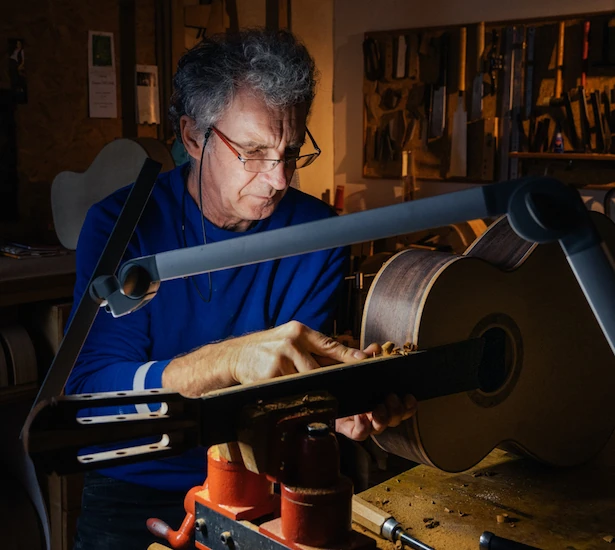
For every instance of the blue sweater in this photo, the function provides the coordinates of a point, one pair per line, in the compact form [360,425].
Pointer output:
[130,353]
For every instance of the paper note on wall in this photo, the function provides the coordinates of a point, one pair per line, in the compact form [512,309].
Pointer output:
[101,75]
[148,106]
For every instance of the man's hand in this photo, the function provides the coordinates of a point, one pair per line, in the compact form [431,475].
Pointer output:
[391,413]
[388,414]
[289,348]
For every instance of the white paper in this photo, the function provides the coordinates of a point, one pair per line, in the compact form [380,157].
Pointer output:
[148,107]
[101,75]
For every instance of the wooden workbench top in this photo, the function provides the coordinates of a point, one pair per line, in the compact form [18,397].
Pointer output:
[35,279]
[549,508]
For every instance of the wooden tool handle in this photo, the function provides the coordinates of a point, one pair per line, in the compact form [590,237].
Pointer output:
[367,515]
[480,46]
[560,59]
[463,33]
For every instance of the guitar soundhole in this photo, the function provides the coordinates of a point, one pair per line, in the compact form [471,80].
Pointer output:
[495,367]
[502,359]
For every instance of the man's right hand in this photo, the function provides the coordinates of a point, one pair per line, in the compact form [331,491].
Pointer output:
[289,348]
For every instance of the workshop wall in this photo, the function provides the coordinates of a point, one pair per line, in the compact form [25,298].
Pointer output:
[54,131]
[355,17]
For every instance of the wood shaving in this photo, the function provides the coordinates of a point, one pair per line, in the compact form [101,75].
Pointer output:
[389,348]
[609,539]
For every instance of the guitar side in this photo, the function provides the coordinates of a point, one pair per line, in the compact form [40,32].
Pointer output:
[546,384]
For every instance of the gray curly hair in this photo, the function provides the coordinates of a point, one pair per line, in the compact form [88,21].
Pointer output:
[273,64]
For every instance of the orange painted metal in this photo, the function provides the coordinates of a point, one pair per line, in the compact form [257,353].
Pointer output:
[180,538]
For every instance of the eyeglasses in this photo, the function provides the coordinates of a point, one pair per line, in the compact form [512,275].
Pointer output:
[266,165]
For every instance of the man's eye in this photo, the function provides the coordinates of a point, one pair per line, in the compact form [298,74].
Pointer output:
[254,152]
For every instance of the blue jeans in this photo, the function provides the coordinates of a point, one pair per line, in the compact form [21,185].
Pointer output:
[113,514]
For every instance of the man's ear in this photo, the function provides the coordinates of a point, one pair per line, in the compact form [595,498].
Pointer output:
[192,137]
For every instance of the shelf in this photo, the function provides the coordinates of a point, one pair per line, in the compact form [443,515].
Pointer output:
[10,394]
[564,156]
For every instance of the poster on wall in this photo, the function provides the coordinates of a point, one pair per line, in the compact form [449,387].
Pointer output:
[101,75]
[148,106]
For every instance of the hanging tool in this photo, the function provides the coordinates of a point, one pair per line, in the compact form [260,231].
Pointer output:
[599,127]
[572,128]
[382,524]
[400,46]
[505,105]
[476,105]
[585,130]
[459,135]
[529,71]
[516,97]
[559,69]
[496,60]
[373,62]
[438,101]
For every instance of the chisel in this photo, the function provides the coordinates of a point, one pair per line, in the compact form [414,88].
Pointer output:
[476,106]
[382,524]
[438,100]
[459,136]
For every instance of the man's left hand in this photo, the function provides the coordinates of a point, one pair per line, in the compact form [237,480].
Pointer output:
[388,414]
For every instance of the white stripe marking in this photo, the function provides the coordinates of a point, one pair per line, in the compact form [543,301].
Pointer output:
[138,384]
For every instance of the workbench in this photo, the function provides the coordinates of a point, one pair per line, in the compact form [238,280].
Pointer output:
[542,506]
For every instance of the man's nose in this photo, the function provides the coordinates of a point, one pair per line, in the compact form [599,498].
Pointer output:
[279,177]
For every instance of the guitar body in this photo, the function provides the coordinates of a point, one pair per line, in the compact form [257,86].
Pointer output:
[548,381]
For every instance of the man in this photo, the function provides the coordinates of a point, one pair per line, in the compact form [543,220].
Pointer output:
[240,108]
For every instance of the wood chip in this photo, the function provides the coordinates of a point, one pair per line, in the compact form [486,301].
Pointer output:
[448,511]
[432,524]
[427,520]
[387,348]
[433,501]
[398,480]
[462,514]
[385,501]
[609,539]
[500,518]
[387,489]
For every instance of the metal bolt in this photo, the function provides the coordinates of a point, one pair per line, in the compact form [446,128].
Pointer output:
[199,525]
[226,538]
[317,429]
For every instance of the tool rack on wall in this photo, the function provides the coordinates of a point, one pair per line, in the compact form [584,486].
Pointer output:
[517,91]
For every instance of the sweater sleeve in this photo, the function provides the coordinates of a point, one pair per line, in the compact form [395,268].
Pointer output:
[318,307]
[116,353]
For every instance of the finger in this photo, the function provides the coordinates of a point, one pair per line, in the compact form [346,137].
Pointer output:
[322,345]
[372,349]
[396,409]
[380,419]
[411,404]
[357,427]
[302,361]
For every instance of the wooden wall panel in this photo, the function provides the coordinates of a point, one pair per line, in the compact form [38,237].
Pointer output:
[55,132]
